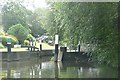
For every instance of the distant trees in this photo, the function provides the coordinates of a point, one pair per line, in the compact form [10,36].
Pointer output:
[15,13]
[19,32]
[35,25]
[30,37]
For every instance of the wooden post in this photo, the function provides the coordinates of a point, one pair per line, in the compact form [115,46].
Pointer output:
[56,48]
[79,47]
[40,45]
[9,40]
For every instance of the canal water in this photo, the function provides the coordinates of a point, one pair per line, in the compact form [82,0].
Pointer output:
[45,68]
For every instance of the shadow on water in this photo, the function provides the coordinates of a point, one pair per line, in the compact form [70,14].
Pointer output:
[44,68]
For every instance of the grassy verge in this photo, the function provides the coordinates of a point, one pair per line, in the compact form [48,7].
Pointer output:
[44,46]
[14,49]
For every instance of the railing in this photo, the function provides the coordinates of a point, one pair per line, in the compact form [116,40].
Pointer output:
[32,48]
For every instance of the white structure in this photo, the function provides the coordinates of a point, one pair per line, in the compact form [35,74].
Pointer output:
[56,39]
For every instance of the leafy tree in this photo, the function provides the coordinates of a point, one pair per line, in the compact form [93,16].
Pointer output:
[30,37]
[42,16]
[14,13]
[34,25]
[19,32]
[90,23]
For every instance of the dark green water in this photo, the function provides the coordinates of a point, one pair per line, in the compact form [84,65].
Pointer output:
[44,68]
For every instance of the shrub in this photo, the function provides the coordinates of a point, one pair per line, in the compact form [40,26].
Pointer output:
[30,37]
[2,33]
[1,45]
[4,40]
[19,32]
[26,42]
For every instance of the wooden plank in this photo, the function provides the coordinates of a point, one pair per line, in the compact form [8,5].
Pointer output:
[60,55]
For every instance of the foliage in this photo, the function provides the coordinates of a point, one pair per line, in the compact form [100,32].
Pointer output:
[1,45]
[90,23]
[2,33]
[30,37]
[19,32]
[4,40]
[26,42]
[14,13]
[34,25]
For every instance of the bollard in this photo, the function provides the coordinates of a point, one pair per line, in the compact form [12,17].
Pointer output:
[56,53]
[32,47]
[9,48]
[79,47]
[56,48]
[34,44]
[40,45]
[28,48]
[9,40]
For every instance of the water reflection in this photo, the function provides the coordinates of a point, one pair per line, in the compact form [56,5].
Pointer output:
[49,69]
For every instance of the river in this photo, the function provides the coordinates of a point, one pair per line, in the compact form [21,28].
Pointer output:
[44,68]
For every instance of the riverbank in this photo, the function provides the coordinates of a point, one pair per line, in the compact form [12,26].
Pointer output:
[44,47]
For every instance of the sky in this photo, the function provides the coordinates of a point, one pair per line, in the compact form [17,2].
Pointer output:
[32,4]
[29,4]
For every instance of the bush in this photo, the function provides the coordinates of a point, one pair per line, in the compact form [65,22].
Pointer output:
[26,42]
[19,32]
[4,40]
[2,33]
[1,45]
[30,37]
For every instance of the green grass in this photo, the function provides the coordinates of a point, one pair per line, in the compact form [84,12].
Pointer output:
[14,49]
[3,74]
[44,46]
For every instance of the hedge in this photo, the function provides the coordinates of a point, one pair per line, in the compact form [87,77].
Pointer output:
[4,40]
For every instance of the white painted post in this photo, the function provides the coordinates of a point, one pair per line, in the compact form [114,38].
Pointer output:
[56,47]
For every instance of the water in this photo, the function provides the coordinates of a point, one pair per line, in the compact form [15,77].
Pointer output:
[44,68]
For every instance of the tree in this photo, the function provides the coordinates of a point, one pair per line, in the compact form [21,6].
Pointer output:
[14,13]
[19,32]
[90,23]
[34,25]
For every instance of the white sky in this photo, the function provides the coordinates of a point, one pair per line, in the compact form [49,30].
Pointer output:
[29,4]
[32,4]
